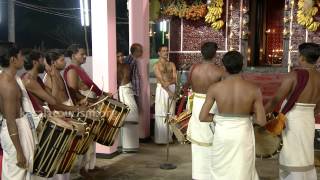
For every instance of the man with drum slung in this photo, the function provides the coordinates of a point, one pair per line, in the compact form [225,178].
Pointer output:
[297,155]
[233,143]
[16,134]
[39,93]
[81,86]
[166,75]
[199,133]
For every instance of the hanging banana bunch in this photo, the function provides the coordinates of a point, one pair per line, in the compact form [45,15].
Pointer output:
[214,14]
[306,13]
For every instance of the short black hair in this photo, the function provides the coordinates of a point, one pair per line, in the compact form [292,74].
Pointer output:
[53,55]
[73,49]
[311,51]
[161,46]
[8,50]
[134,47]
[30,57]
[233,62]
[208,50]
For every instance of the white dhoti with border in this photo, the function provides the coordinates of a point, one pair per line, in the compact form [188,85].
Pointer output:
[233,149]
[201,136]
[162,103]
[130,130]
[10,171]
[297,154]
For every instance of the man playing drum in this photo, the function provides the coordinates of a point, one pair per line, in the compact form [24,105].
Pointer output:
[233,143]
[166,74]
[55,82]
[16,135]
[199,133]
[81,86]
[130,130]
[39,93]
[297,155]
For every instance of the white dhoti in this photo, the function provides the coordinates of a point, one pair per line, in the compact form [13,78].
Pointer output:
[297,154]
[88,160]
[162,103]
[233,149]
[10,170]
[130,130]
[201,136]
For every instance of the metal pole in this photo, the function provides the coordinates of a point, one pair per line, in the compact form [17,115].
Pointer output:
[11,21]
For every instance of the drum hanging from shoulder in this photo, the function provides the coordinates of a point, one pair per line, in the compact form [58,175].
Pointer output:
[267,145]
[54,139]
[113,114]
[92,120]
[81,132]
[179,125]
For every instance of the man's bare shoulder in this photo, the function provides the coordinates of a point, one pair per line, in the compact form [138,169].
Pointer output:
[8,85]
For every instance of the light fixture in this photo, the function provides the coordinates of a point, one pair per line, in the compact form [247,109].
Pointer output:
[163,26]
[84,13]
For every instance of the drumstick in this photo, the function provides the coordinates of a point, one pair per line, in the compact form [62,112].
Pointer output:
[103,99]
[88,93]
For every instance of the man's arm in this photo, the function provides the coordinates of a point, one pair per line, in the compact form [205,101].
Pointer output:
[35,88]
[73,83]
[205,115]
[164,84]
[10,104]
[283,92]
[174,73]
[258,109]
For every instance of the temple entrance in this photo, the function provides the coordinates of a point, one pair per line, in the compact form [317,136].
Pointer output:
[266,37]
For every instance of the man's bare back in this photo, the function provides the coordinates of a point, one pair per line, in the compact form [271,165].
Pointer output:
[230,98]
[234,95]
[123,74]
[201,81]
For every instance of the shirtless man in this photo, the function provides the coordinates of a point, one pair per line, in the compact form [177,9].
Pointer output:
[297,155]
[79,84]
[38,92]
[199,133]
[16,136]
[55,82]
[233,143]
[166,74]
[130,129]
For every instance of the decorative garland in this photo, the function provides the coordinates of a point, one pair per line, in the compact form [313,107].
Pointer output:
[305,16]
[214,14]
[181,9]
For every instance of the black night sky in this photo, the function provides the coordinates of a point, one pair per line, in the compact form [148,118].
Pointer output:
[36,29]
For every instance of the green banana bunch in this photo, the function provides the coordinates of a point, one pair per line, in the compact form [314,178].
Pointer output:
[313,26]
[217,25]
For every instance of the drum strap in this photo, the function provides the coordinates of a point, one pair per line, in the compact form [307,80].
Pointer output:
[185,91]
[302,80]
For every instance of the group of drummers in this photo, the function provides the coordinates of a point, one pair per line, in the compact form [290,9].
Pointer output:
[49,126]
[225,106]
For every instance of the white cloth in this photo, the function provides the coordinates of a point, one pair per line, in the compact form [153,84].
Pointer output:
[233,149]
[200,132]
[88,160]
[297,154]
[130,130]
[201,136]
[162,103]
[10,170]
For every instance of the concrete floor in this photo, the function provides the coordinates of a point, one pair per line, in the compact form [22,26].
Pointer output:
[145,165]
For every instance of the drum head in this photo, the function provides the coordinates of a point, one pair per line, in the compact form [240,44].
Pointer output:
[267,145]
[60,122]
